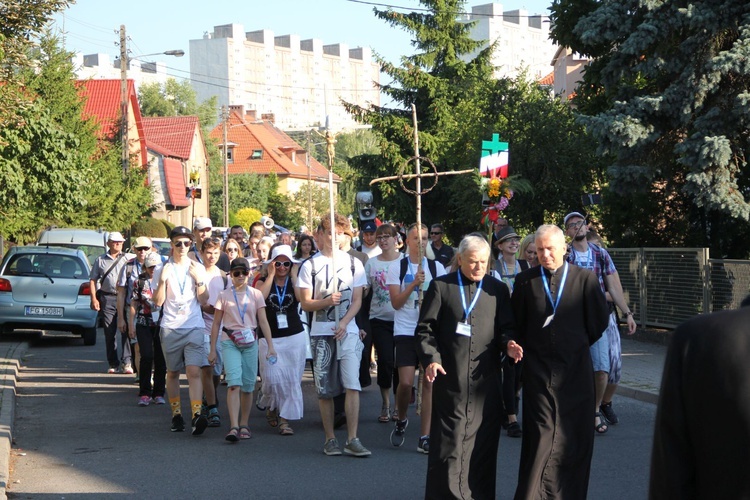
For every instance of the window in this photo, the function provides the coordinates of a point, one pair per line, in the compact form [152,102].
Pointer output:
[230,155]
[257,154]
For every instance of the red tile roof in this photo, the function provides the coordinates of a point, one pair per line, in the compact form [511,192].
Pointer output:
[264,136]
[547,80]
[175,182]
[174,133]
[103,104]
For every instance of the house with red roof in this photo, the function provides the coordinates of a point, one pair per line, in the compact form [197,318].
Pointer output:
[568,72]
[178,168]
[258,147]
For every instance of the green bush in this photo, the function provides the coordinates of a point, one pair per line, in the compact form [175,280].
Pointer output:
[148,226]
[167,224]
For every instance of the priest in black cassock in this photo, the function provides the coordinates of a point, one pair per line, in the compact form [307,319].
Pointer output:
[702,437]
[464,323]
[560,311]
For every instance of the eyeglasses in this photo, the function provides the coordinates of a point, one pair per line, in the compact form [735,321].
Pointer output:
[182,243]
[435,233]
[575,224]
[142,249]
[233,250]
[237,274]
[280,264]
[383,237]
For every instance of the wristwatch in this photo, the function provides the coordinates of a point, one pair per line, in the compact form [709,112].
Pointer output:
[629,313]
[199,284]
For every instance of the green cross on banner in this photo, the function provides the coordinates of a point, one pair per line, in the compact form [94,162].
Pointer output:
[494,146]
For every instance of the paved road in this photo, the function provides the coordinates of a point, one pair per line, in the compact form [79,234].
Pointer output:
[79,434]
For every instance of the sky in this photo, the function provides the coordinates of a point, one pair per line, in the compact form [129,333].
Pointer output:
[155,26]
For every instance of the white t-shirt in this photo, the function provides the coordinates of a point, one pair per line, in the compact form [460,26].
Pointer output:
[371,252]
[215,284]
[181,308]
[323,321]
[376,271]
[405,319]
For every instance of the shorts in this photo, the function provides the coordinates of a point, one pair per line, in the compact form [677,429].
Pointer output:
[332,373]
[240,365]
[405,348]
[219,358]
[600,353]
[183,347]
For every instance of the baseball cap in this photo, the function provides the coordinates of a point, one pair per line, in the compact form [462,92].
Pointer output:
[115,236]
[152,259]
[180,232]
[281,251]
[240,263]
[369,226]
[142,241]
[573,214]
[201,223]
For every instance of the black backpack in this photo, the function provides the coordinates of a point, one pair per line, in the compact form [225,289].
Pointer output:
[405,262]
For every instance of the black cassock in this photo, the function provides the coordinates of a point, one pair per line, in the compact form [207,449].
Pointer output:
[558,380]
[702,436]
[466,404]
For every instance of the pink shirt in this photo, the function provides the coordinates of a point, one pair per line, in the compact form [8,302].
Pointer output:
[242,313]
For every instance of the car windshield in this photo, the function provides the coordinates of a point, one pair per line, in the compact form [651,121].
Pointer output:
[92,252]
[49,265]
[164,247]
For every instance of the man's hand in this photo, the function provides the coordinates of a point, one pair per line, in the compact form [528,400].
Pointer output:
[335,298]
[95,304]
[418,279]
[514,350]
[195,272]
[165,272]
[432,371]
[340,332]
[121,325]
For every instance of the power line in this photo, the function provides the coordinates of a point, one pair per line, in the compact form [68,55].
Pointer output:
[422,9]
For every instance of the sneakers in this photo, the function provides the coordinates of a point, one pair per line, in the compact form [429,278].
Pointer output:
[159,400]
[112,369]
[424,445]
[609,413]
[331,448]
[397,434]
[199,424]
[355,448]
[214,420]
[127,369]
[178,423]
[144,401]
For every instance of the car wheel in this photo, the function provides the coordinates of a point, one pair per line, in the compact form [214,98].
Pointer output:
[89,336]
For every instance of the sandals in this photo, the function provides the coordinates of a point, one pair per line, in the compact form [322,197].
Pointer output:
[385,415]
[285,430]
[601,427]
[272,417]
[233,435]
[245,432]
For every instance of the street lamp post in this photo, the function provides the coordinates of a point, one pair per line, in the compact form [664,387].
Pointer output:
[124,63]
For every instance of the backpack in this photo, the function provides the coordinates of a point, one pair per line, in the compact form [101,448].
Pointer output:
[404,262]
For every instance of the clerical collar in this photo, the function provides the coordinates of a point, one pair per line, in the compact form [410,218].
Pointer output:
[467,279]
[552,273]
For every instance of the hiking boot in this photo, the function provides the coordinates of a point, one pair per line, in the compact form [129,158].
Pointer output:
[199,424]
[424,445]
[355,448]
[178,423]
[144,401]
[397,434]
[608,413]
[331,448]
[214,420]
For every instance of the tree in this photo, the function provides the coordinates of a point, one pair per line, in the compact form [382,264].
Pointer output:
[667,100]
[175,98]
[246,216]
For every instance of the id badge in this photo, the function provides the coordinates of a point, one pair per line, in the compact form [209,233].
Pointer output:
[206,338]
[548,320]
[248,336]
[281,320]
[155,316]
[182,309]
[463,329]
[412,301]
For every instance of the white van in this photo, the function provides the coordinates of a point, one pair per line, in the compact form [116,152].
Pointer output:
[92,242]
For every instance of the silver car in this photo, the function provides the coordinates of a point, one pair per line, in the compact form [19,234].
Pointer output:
[47,288]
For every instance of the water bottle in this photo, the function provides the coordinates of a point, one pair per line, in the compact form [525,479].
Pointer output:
[272,360]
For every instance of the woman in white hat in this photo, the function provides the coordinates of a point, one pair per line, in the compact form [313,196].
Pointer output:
[282,379]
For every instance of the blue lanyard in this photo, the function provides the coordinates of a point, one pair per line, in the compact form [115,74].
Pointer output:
[184,281]
[408,261]
[197,254]
[463,297]
[237,303]
[559,293]
[281,296]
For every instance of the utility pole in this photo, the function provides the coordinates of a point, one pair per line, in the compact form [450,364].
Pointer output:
[225,120]
[309,184]
[124,97]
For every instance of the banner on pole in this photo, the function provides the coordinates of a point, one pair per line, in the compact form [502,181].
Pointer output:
[494,160]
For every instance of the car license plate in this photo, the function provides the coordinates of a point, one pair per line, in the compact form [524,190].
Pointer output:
[43,311]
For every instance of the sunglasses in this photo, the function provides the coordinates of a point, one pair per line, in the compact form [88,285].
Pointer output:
[182,243]
[142,249]
[284,264]
[232,250]
[237,274]
[435,233]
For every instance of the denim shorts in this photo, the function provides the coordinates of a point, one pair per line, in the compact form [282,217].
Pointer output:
[600,353]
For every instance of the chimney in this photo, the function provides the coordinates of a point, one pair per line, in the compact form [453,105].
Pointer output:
[290,152]
[250,115]
[237,108]
[268,117]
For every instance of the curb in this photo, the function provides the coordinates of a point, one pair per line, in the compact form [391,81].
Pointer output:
[9,366]
[637,394]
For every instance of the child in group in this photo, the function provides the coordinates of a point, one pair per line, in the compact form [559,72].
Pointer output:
[238,308]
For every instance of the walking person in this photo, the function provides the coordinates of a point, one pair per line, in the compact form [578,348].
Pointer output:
[180,292]
[144,323]
[103,283]
[282,376]
[239,313]
[443,253]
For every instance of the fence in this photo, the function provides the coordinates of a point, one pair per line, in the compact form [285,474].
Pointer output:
[666,286]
